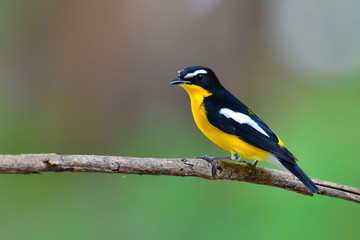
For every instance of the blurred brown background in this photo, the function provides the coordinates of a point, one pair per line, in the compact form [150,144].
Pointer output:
[91,77]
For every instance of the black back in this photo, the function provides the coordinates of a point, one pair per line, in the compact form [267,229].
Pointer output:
[221,98]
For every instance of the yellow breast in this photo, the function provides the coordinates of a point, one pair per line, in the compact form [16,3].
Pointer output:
[230,143]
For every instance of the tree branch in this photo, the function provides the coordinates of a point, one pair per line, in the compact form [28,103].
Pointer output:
[36,163]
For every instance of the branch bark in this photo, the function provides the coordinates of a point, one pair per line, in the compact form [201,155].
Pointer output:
[37,163]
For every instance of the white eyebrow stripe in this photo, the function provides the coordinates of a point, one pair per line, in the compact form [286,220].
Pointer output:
[190,75]
[242,119]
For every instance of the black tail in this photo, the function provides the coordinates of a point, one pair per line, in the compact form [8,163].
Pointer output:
[296,170]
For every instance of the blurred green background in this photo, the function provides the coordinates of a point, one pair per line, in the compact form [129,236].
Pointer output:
[91,77]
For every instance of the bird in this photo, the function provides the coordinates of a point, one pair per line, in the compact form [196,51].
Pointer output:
[231,125]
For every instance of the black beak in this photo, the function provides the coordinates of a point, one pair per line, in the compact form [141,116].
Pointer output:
[178,81]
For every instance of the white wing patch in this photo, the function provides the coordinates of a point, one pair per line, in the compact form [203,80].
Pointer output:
[193,74]
[242,119]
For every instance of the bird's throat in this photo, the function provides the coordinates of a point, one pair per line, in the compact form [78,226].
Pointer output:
[196,91]
[197,95]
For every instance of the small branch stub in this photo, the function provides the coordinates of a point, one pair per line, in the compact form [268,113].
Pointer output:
[36,163]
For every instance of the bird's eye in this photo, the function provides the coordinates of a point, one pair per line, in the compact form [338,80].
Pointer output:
[199,77]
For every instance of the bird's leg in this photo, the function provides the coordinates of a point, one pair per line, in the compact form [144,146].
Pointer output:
[211,160]
[253,166]
[254,163]
[235,156]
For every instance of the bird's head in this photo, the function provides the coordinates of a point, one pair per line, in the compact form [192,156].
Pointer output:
[197,78]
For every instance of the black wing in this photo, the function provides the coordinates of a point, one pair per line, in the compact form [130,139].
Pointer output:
[214,103]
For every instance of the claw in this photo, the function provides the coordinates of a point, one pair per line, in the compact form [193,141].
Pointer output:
[211,161]
[253,166]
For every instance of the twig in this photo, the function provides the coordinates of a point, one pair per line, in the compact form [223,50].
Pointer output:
[36,163]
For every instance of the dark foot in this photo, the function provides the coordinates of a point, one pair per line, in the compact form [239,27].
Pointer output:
[235,156]
[253,166]
[211,161]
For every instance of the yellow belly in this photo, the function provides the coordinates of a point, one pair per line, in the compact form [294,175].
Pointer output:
[230,143]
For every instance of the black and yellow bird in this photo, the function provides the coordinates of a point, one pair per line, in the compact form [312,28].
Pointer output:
[231,125]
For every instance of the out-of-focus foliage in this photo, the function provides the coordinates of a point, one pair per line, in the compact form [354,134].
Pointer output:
[91,77]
